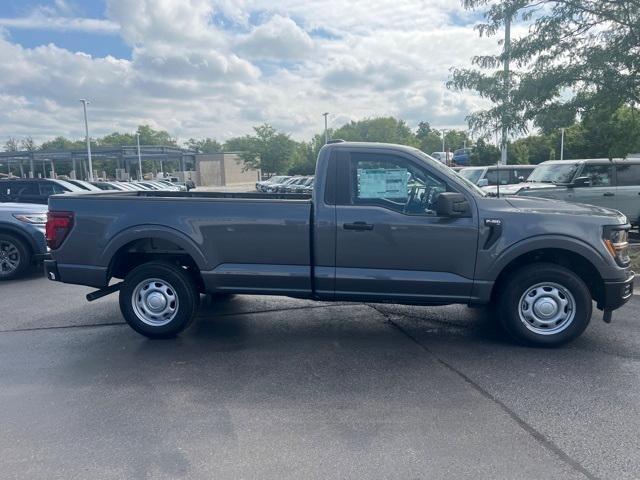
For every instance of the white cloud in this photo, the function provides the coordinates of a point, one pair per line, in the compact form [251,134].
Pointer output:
[217,67]
[279,38]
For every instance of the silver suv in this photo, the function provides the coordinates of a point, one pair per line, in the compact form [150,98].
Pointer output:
[601,182]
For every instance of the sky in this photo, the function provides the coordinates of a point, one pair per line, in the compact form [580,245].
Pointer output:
[215,68]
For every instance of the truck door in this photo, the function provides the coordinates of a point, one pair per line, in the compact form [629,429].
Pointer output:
[628,190]
[601,191]
[390,243]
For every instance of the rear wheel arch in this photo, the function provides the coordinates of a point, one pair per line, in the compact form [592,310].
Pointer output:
[140,251]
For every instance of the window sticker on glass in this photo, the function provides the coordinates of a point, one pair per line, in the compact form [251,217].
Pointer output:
[383,183]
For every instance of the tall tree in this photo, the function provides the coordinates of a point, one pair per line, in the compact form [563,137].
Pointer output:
[269,150]
[11,145]
[380,129]
[578,56]
[205,145]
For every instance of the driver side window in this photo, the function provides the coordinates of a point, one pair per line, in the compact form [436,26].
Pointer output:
[394,183]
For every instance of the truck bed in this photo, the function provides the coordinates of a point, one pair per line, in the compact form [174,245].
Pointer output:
[250,242]
[195,195]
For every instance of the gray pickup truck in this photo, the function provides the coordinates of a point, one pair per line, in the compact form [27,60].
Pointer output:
[385,223]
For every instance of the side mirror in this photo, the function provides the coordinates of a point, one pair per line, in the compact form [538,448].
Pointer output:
[452,204]
[483,182]
[581,182]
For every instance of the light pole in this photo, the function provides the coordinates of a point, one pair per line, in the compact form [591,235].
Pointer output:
[562,143]
[86,128]
[446,160]
[326,131]
[139,157]
[507,85]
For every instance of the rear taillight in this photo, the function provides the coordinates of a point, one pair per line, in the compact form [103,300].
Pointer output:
[58,226]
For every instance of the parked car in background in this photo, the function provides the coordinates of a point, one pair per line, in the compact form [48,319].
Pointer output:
[601,182]
[84,185]
[442,157]
[33,190]
[107,186]
[22,237]
[297,186]
[493,175]
[301,187]
[462,156]
[262,185]
[277,187]
[177,185]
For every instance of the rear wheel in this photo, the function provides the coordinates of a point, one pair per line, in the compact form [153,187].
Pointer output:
[545,305]
[14,257]
[159,299]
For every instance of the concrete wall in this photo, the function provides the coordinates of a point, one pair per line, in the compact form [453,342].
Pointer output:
[220,169]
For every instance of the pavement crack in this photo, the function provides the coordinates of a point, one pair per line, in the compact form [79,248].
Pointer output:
[545,442]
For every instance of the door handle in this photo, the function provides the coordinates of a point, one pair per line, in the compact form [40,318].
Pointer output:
[608,194]
[357,226]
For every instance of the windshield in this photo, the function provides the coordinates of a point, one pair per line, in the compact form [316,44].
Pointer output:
[449,172]
[554,173]
[471,174]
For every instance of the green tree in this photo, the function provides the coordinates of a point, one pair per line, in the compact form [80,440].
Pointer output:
[381,129]
[62,143]
[269,150]
[28,144]
[484,154]
[117,138]
[305,155]
[11,145]
[150,136]
[600,74]
[205,145]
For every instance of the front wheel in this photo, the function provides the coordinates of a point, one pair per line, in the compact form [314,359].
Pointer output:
[545,305]
[159,299]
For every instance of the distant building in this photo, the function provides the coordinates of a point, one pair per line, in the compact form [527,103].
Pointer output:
[221,169]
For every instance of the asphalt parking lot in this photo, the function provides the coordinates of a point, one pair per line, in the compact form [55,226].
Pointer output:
[266,387]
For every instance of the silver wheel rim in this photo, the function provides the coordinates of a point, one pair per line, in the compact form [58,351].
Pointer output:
[155,302]
[547,308]
[9,257]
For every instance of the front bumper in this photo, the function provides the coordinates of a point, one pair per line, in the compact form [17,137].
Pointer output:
[617,293]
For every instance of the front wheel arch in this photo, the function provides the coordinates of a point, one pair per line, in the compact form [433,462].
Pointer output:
[575,262]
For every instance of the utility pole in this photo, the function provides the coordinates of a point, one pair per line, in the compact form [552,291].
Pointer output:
[139,157]
[507,86]
[326,131]
[562,143]
[446,159]
[86,128]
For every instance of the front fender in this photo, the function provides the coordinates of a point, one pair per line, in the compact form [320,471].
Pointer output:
[603,265]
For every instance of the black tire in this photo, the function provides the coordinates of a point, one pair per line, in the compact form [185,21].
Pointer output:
[181,291]
[523,327]
[15,257]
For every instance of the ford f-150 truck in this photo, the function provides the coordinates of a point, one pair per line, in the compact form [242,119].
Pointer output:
[385,223]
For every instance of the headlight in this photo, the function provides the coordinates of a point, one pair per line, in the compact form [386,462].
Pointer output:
[616,239]
[35,218]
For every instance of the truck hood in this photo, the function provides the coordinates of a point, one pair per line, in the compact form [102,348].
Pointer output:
[516,187]
[551,206]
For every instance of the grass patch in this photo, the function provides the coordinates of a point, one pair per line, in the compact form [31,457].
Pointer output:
[634,254]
